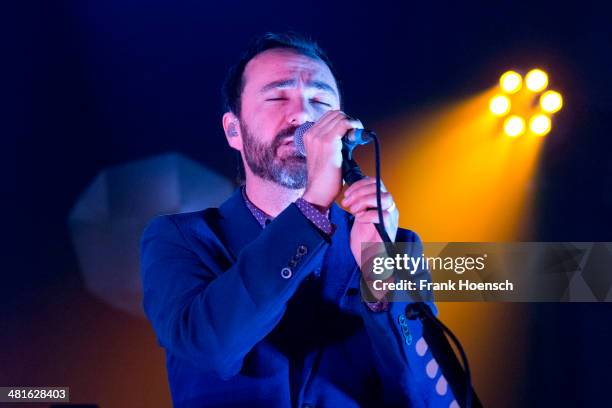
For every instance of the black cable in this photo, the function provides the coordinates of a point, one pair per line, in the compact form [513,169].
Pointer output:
[387,240]
[464,359]
[381,220]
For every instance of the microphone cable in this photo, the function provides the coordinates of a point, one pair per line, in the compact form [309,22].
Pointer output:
[425,311]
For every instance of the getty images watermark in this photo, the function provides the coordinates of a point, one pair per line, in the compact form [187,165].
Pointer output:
[505,272]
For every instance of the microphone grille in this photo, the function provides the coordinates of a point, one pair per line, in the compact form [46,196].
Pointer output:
[298,137]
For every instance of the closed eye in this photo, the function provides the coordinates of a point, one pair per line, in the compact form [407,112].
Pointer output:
[320,102]
[276,99]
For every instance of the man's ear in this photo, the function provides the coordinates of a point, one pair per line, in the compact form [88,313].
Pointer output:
[231,126]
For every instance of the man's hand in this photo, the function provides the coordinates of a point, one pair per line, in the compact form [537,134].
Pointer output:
[323,145]
[360,200]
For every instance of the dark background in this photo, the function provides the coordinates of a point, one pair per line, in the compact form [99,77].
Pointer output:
[93,84]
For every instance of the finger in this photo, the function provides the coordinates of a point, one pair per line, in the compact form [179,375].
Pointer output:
[356,190]
[359,191]
[329,117]
[322,123]
[339,125]
[371,217]
[325,128]
[369,201]
[355,123]
[350,189]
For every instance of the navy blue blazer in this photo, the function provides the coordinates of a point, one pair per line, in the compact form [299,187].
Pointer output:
[273,317]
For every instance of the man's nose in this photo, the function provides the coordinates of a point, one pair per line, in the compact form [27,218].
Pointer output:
[300,112]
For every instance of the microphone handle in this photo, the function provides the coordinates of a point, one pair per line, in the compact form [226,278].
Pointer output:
[351,173]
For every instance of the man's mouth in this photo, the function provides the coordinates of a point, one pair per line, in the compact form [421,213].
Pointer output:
[287,150]
[286,144]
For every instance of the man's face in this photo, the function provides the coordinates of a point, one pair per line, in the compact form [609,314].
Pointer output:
[282,90]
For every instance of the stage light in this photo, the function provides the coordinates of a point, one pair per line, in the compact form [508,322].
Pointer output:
[536,80]
[539,124]
[499,105]
[551,101]
[511,82]
[514,126]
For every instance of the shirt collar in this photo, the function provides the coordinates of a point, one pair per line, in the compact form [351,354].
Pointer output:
[262,218]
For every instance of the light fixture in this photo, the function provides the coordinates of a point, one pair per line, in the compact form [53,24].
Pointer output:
[539,124]
[514,126]
[511,82]
[536,80]
[551,101]
[499,105]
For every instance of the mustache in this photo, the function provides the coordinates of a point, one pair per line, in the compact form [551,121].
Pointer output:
[282,136]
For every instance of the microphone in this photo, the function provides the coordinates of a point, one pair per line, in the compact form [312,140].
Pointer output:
[351,172]
[352,139]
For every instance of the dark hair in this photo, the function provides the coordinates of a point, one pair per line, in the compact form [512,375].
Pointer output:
[234,82]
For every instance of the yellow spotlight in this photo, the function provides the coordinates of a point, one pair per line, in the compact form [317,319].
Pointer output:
[539,124]
[511,82]
[499,105]
[551,101]
[536,80]
[514,126]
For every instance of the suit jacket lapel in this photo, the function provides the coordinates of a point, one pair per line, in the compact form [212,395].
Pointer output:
[236,225]
[339,264]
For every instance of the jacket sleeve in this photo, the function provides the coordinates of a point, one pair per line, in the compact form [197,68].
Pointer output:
[409,373]
[213,317]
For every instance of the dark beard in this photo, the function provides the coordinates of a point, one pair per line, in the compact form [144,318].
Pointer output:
[289,172]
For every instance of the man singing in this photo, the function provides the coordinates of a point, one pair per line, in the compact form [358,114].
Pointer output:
[257,303]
